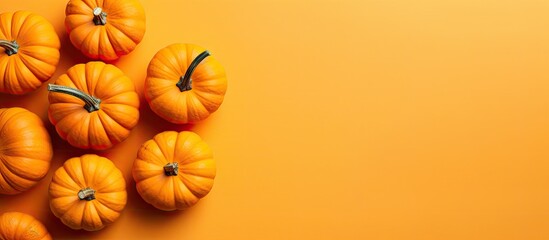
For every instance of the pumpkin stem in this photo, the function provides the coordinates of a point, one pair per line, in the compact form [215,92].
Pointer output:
[92,103]
[185,82]
[99,17]
[11,47]
[87,194]
[171,169]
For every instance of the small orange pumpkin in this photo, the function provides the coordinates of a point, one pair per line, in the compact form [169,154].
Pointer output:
[105,29]
[87,192]
[31,51]
[93,105]
[184,83]
[174,170]
[21,226]
[25,150]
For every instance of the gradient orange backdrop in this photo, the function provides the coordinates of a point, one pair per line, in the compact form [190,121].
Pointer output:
[344,119]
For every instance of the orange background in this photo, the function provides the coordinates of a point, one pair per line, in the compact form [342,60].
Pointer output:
[349,119]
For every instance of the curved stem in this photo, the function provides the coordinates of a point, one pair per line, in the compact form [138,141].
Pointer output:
[171,169]
[87,194]
[11,47]
[92,103]
[99,17]
[185,82]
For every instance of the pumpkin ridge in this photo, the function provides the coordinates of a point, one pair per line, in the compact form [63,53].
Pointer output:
[62,187]
[84,164]
[109,203]
[24,16]
[16,111]
[74,76]
[104,43]
[162,147]
[158,93]
[23,226]
[110,112]
[115,25]
[69,210]
[103,216]
[206,101]
[9,85]
[192,185]
[107,99]
[6,29]
[188,148]
[89,4]
[9,181]
[23,30]
[62,178]
[116,41]
[112,138]
[76,133]
[100,185]
[36,71]
[91,38]
[168,63]
[73,175]
[58,126]
[184,188]
[110,74]
[158,160]
[3,61]
[22,175]
[33,224]
[91,213]
[184,171]
[193,105]
[6,188]
[18,221]
[26,82]
[113,82]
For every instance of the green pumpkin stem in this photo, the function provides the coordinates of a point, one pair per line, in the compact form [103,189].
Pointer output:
[11,47]
[87,194]
[185,82]
[171,169]
[99,17]
[92,103]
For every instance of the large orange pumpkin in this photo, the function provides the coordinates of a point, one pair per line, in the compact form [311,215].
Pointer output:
[31,51]
[25,150]
[87,192]
[105,29]
[93,105]
[184,83]
[21,226]
[174,170]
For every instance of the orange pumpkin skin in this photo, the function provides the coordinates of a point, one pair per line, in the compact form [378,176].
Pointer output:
[174,170]
[21,226]
[109,122]
[87,192]
[29,51]
[105,29]
[25,150]
[179,99]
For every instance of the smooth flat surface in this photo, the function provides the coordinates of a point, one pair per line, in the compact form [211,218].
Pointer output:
[347,119]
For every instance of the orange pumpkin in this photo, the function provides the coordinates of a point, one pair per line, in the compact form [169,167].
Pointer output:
[174,170]
[93,105]
[31,51]
[25,150]
[21,226]
[87,192]
[105,29]
[184,83]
